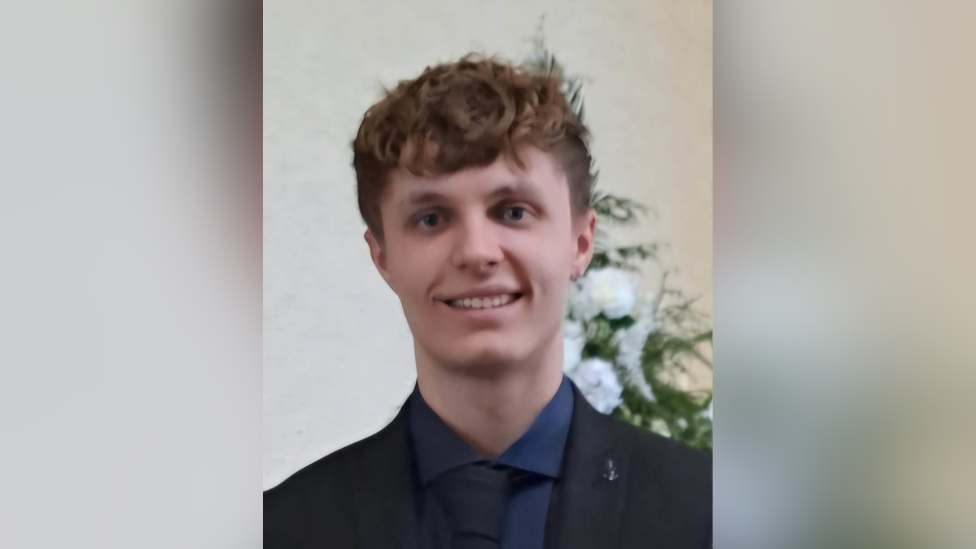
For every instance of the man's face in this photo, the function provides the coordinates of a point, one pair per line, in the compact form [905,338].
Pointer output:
[481,259]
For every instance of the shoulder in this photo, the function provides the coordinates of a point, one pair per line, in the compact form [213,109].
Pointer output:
[330,473]
[654,463]
[317,502]
[665,457]
[666,478]
[323,484]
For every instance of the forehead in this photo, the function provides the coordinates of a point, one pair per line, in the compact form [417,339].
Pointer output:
[540,178]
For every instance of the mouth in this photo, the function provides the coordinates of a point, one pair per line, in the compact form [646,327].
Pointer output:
[487,303]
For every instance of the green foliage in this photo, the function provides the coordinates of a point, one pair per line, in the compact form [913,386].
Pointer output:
[623,257]
[615,209]
[681,332]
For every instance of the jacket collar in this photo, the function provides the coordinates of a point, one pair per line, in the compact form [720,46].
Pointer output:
[584,511]
[436,448]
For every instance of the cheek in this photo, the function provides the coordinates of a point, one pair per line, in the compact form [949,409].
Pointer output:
[546,266]
[411,267]
[548,254]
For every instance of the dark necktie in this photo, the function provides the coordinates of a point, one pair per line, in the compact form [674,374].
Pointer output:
[475,498]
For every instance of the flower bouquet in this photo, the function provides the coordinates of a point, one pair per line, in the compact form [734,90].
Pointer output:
[630,352]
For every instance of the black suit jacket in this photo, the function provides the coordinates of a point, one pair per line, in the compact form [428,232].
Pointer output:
[621,487]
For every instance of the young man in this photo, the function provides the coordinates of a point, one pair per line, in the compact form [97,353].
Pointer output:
[474,183]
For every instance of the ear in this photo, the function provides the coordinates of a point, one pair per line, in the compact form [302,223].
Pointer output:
[377,253]
[584,233]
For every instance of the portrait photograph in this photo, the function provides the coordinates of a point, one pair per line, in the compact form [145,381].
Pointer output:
[487,274]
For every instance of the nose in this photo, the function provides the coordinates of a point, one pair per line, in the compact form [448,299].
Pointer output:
[477,247]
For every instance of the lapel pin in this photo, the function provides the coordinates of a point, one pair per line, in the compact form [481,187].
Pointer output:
[610,470]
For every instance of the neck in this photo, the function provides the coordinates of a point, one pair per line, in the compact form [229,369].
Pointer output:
[491,412]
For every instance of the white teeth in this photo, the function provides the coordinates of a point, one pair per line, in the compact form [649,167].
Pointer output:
[483,303]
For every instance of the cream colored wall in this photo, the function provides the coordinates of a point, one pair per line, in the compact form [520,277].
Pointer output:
[337,352]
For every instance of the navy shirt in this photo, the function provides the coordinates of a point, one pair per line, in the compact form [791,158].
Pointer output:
[437,448]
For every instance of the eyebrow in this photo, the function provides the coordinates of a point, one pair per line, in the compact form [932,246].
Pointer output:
[507,189]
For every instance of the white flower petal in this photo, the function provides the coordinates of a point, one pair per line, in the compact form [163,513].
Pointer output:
[597,381]
[660,427]
[573,342]
[610,291]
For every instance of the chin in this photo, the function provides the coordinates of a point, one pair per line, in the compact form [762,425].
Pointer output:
[483,359]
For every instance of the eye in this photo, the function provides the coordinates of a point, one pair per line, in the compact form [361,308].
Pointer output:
[513,213]
[428,220]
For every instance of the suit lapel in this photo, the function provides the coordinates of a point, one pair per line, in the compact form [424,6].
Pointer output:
[587,502]
[383,488]
[589,496]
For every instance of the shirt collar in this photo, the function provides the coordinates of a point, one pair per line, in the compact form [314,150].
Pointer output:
[540,450]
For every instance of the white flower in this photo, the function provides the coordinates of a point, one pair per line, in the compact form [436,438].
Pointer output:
[660,427]
[598,383]
[580,304]
[708,413]
[609,290]
[573,342]
[630,347]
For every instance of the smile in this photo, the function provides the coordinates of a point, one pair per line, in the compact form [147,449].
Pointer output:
[488,302]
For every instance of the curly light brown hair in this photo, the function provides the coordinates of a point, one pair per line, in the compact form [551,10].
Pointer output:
[465,114]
